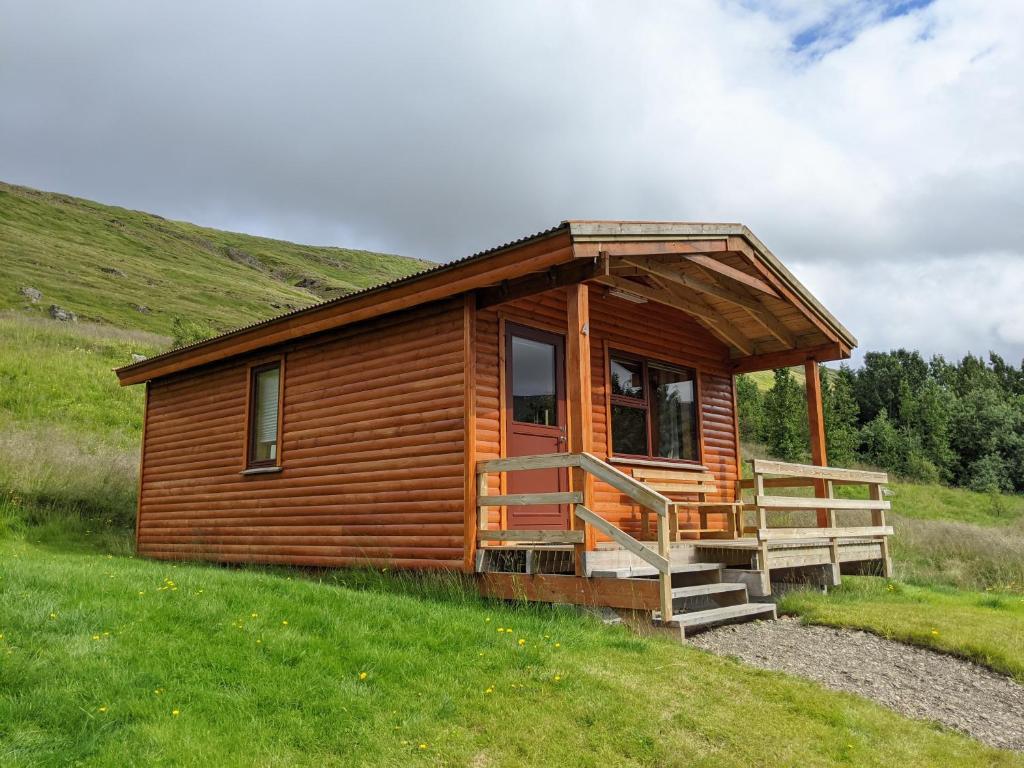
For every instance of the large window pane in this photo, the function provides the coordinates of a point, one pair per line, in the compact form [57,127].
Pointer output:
[533,382]
[629,430]
[673,415]
[628,378]
[266,386]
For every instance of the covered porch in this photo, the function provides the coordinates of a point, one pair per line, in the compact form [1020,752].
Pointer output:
[687,513]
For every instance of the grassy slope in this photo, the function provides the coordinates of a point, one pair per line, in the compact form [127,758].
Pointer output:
[98,654]
[173,268]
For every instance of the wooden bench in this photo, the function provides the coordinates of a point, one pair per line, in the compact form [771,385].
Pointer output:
[695,484]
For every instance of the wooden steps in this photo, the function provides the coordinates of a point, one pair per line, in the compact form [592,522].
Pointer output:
[703,590]
[725,614]
[644,571]
[700,598]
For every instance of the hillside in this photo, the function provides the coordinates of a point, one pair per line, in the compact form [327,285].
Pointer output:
[137,270]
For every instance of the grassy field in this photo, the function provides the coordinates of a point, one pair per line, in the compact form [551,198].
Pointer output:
[116,661]
[114,261]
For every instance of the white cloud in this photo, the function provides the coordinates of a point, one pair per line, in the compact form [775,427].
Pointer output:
[882,145]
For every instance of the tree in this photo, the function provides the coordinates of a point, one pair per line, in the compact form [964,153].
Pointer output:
[842,436]
[750,407]
[785,418]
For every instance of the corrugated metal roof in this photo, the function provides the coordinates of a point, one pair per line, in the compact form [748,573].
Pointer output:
[347,297]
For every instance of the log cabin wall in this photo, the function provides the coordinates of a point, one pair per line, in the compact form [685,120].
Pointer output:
[371,448]
[651,330]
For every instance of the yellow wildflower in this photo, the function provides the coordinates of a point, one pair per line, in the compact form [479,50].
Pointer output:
[284,623]
[175,712]
[522,641]
[423,746]
[362,675]
[489,690]
[102,709]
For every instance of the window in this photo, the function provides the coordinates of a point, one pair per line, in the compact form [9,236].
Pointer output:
[654,413]
[534,382]
[264,406]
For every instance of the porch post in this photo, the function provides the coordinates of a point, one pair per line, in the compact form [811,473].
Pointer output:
[816,422]
[579,402]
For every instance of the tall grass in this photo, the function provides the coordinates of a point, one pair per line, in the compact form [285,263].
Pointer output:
[59,486]
[962,555]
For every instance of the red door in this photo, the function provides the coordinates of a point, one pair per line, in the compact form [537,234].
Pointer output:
[535,418]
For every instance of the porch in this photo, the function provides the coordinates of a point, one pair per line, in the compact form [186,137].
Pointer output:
[684,583]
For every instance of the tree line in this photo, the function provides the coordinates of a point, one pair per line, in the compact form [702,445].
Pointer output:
[934,421]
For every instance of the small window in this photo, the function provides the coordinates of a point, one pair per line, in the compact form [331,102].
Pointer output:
[263,415]
[654,410]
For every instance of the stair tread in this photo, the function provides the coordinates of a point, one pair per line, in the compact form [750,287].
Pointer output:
[707,589]
[715,615]
[649,570]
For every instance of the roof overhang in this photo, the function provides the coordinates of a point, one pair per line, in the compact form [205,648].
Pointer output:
[719,273]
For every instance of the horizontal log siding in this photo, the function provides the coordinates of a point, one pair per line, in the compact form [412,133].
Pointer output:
[372,454]
[648,329]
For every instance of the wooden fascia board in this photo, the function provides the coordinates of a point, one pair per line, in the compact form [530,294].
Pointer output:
[515,262]
[790,357]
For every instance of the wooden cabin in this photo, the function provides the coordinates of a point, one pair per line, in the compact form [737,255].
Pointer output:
[557,414]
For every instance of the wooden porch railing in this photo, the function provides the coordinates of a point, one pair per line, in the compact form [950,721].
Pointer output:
[776,474]
[581,516]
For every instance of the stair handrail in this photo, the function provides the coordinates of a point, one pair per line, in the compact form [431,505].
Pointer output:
[639,492]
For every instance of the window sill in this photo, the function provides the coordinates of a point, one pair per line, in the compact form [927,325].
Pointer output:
[261,471]
[666,464]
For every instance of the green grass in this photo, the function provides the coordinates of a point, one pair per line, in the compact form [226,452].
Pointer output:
[172,268]
[98,653]
[986,627]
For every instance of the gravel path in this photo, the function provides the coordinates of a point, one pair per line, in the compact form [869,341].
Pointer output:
[913,681]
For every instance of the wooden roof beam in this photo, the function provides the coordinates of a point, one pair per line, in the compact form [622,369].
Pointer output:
[703,315]
[740,246]
[790,357]
[751,305]
[737,275]
[763,314]
[667,273]
[576,271]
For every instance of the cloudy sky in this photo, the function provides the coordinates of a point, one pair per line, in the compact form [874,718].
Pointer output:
[876,147]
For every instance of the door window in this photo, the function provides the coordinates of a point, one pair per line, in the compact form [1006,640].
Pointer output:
[534,393]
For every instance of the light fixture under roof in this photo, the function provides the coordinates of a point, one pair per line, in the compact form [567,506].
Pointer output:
[621,293]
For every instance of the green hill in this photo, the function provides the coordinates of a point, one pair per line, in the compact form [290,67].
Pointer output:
[137,270]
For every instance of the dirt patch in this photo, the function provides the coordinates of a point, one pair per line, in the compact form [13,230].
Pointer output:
[915,682]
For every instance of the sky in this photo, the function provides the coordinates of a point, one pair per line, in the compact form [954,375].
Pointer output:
[876,147]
